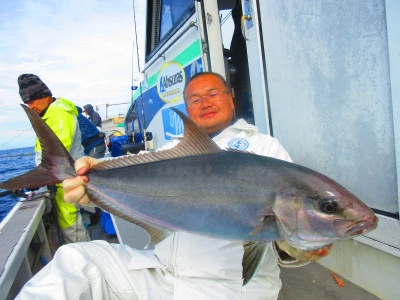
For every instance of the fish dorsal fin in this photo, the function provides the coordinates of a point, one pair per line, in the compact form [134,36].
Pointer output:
[195,141]
[254,252]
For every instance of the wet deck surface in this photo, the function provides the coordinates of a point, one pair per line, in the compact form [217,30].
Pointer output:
[314,281]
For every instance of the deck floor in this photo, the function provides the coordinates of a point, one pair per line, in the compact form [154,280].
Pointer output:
[314,282]
[97,233]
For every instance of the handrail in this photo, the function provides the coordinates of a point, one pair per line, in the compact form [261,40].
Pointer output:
[17,231]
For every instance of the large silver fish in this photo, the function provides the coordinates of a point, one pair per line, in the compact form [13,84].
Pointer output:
[197,187]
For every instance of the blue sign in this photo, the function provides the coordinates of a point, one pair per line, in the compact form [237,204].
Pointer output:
[173,124]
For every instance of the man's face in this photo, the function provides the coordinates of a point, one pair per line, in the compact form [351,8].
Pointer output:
[213,107]
[40,105]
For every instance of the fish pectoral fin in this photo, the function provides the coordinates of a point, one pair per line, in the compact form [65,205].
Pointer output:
[254,252]
[265,221]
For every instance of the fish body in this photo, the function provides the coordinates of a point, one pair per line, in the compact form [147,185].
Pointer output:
[197,187]
[229,194]
[206,194]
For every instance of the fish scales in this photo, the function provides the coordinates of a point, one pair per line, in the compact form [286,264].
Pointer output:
[207,194]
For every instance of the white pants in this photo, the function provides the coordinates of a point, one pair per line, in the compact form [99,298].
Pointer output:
[99,270]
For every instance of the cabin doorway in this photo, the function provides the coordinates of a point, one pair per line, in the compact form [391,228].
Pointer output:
[235,54]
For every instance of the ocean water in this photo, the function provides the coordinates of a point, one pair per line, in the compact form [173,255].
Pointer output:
[13,162]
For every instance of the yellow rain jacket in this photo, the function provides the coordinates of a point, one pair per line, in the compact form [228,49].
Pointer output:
[61,116]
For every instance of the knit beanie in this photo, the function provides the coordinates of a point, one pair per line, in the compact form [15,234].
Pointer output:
[31,87]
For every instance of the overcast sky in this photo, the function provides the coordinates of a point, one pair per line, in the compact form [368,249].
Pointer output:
[82,50]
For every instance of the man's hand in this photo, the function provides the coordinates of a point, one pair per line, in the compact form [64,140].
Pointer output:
[303,255]
[74,188]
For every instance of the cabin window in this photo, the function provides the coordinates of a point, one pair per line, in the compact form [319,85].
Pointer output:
[171,12]
[164,18]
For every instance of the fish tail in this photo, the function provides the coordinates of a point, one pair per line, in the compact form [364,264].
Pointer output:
[57,164]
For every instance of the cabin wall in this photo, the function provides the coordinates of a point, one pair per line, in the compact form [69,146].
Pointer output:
[393,25]
[329,92]
[331,73]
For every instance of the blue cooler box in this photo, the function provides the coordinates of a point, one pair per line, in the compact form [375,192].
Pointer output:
[106,223]
[116,145]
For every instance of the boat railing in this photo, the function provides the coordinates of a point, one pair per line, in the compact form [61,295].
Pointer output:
[17,230]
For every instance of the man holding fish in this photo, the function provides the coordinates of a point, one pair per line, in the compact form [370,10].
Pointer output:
[188,265]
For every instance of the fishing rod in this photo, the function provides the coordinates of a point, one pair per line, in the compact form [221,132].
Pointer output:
[30,195]
[6,193]
[139,71]
[16,193]
[13,138]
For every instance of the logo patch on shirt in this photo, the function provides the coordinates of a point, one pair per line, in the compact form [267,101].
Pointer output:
[238,144]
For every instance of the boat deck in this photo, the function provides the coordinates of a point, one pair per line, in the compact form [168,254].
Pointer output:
[314,282]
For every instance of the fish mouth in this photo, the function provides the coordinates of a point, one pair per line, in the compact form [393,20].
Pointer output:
[362,226]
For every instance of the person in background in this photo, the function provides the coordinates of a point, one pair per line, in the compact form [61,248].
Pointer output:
[92,139]
[61,116]
[184,265]
[94,117]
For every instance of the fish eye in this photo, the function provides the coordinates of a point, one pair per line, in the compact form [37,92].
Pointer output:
[328,206]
